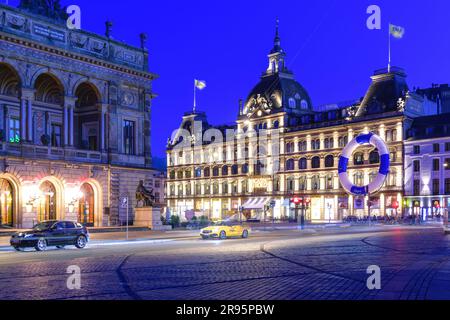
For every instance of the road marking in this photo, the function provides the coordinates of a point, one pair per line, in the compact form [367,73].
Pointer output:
[122,243]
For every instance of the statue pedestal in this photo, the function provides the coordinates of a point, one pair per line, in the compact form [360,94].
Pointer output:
[148,218]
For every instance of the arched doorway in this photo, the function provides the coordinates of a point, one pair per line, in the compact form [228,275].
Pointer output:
[6,203]
[47,205]
[86,210]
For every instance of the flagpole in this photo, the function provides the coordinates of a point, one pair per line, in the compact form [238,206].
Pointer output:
[195,96]
[389,64]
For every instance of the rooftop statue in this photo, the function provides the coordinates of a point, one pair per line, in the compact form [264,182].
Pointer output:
[48,8]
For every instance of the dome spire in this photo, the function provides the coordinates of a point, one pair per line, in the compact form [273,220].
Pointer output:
[276,55]
[277,34]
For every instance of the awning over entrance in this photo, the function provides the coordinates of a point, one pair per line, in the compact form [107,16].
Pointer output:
[256,203]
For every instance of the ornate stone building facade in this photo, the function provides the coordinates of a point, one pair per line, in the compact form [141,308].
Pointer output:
[75,120]
[223,178]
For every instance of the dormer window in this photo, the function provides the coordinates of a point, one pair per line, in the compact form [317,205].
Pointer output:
[304,105]
[292,103]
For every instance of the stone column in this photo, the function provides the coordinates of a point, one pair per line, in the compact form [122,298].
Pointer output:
[103,128]
[23,118]
[26,114]
[66,125]
[30,120]
[71,126]
[68,120]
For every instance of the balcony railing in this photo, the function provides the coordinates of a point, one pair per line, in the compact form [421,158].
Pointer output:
[41,152]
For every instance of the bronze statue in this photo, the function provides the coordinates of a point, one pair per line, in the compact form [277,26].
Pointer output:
[144,196]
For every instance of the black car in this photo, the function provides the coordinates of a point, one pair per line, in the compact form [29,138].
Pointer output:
[52,234]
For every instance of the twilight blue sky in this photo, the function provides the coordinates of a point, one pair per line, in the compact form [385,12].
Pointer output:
[329,48]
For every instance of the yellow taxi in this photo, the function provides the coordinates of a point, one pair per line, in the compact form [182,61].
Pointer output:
[224,229]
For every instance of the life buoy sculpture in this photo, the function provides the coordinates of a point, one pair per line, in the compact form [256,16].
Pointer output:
[377,183]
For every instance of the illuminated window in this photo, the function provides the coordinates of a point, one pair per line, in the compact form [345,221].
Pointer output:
[14,130]
[358,159]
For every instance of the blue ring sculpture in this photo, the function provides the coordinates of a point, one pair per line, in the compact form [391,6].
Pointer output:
[377,183]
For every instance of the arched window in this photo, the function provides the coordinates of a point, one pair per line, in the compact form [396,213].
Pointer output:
[302,146]
[290,165]
[198,172]
[49,90]
[315,145]
[225,170]
[358,159]
[180,190]
[235,169]
[198,189]
[9,81]
[207,189]
[292,103]
[290,147]
[303,164]
[315,163]
[245,169]
[7,204]
[207,172]
[343,141]
[276,124]
[374,157]
[329,161]
[172,175]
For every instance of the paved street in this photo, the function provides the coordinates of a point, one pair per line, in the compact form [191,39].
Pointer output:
[283,264]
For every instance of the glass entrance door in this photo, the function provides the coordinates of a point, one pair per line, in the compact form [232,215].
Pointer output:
[6,204]
[47,205]
[86,214]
